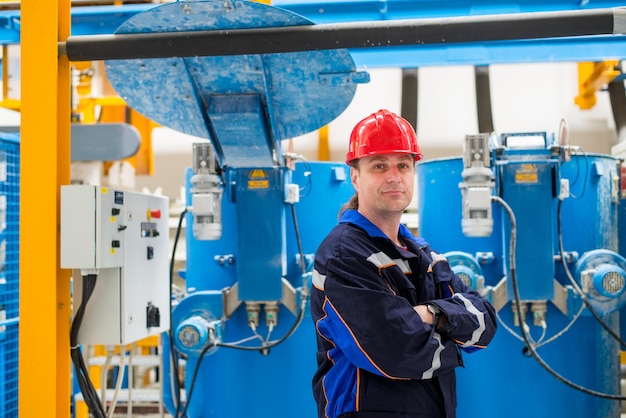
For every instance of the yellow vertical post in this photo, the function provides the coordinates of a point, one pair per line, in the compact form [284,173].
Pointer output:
[44,364]
[323,146]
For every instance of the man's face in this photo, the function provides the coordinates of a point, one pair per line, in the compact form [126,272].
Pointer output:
[384,182]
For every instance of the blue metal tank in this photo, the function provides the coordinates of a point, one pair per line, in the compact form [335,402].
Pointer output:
[593,205]
[504,380]
[439,211]
[233,383]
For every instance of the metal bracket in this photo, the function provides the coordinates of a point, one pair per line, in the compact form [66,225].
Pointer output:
[499,295]
[289,297]
[230,296]
[560,297]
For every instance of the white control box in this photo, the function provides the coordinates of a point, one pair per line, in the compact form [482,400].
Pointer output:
[123,237]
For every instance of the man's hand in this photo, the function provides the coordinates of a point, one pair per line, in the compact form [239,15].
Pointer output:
[428,316]
[425,314]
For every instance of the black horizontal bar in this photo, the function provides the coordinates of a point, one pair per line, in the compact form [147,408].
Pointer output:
[376,34]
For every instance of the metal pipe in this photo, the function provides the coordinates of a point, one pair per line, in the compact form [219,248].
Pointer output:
[375,34]
[409,99]
[483,99]
[617,96]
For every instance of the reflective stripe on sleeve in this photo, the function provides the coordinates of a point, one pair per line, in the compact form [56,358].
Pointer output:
[318,280]
[478,332]
[382,260]
[428,374]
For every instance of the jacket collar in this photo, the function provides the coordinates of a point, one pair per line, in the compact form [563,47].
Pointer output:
[352,216]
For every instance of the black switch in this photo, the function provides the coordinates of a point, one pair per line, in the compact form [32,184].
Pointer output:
[150,253]
[115,244]
[153,316]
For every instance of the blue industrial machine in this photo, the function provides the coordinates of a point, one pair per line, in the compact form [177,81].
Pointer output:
[524,220]
[255,213]
[251,287]
[532,224]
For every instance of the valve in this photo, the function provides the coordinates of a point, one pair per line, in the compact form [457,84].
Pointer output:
[253,310]
[519,315]
[195,333]
[539,310]
[271,314]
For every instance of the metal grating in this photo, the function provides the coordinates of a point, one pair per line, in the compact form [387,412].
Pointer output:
[613,282]
[9,273]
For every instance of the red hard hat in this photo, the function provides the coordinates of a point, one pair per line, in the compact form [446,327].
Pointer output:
[382,132]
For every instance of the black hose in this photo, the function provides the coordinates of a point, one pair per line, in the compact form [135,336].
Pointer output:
[263,348]
[578,289]
[193,380]
[174,358]
[300,316]
[90,395]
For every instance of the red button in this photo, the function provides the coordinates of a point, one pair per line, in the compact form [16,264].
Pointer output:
[155,214]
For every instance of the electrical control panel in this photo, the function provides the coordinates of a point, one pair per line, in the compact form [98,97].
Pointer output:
[123,238]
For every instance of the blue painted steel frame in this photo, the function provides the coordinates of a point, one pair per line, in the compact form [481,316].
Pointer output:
[94,20]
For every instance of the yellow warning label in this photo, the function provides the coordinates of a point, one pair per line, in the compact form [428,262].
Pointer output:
[258,184]
[257,174]
[527,173]
[258,179]
[526,178]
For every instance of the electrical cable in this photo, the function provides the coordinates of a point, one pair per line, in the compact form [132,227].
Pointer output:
[89,392]
[265,346]
[577,288]
[104,373]
[582,193]
[300,249]
[269,344]
[564,330]
[568,274]
[131,378]
[118,383]
[303,296]
[245,340]
[549,340]
[237,345]
[543,334]
[522,323]
[270,328]
[193,379]
[90,395]
[173,357]
[306,189]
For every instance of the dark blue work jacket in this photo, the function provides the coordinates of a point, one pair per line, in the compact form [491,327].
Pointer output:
[376,357]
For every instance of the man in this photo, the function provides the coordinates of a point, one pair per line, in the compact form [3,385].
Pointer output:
[391,316]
